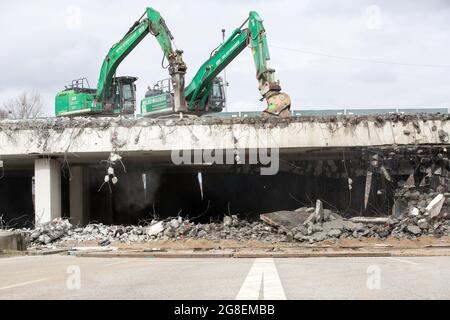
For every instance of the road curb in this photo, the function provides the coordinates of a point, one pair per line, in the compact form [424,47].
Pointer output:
[256,255]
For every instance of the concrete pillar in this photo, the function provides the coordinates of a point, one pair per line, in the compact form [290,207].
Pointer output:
[47,176]
[79,197]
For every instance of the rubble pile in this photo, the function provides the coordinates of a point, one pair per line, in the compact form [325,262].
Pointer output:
[50,232]
[232,228]
[317,224]
[422,210]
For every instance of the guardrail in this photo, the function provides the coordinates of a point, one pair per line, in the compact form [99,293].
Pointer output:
[337,112]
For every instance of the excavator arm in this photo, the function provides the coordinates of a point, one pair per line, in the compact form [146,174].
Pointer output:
[254,36]
[150,22]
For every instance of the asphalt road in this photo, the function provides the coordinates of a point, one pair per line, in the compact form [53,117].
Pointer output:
[66,277]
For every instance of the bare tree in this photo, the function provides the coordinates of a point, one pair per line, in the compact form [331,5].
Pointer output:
[26,105]
[3,114]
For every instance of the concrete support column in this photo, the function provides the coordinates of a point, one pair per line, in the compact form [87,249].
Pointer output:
[79,197]
[47,175]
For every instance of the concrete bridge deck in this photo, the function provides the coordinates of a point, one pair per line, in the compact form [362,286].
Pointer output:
[81,136]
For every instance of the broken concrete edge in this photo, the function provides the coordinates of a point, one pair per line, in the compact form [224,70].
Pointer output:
[61,123]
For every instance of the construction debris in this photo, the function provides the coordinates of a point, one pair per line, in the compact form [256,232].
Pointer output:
[50,232]
[301,226]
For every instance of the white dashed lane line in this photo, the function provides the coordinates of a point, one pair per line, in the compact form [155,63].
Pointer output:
[116,263]
[403,261]
[22,284]
[262,273]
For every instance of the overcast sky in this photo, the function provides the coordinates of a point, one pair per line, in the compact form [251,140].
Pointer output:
[327,53]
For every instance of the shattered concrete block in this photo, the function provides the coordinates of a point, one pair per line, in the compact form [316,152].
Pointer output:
[333,225]
[423,224]
[414,212]
[287,219]
[318,237]
[414,229]
[174,223]
[319,211]
[351,226]
[155,229]
[227,221]
[335,233]
[434,208]
[378,220]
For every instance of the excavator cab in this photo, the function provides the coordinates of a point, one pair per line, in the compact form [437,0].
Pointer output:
[122,99]
[216,102]
[159,99]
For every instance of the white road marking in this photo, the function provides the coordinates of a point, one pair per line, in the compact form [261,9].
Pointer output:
[116,263]
[404,261]
[263,272]
[24,284]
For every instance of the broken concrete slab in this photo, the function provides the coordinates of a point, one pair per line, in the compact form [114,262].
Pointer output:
[372,220]
[414,229]
[333,225]
[155,229]
[414,212]
[434,208]
[287,219]
[334,233]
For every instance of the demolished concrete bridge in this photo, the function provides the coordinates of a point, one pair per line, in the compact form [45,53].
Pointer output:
[58,165]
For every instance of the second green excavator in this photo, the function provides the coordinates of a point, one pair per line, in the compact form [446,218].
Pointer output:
[205,93]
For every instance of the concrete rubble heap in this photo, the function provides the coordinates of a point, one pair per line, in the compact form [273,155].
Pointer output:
[318,225]
[50,232]
[175,229]
[421,208]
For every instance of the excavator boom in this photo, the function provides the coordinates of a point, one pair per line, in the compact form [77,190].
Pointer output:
[201,91]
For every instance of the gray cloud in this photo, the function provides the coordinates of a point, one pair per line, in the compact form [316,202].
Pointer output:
[43,51]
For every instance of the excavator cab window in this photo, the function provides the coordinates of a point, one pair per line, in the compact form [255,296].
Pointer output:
[124,99]
[217,95]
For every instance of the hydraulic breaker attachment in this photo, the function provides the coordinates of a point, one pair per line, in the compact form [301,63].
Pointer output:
[177,71]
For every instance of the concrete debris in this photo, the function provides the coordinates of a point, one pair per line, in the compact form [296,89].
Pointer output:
[422,210]
[414,229]
[371,220]
[287,219]
[232,228]
[47,233]
[155,229]
[435,206]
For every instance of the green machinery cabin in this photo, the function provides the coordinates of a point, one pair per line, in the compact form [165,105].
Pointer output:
[78,98]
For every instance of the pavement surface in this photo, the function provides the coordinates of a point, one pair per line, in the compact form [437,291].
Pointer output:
[67,277]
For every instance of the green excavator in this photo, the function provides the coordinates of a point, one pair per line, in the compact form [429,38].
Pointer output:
[205,93]
[117,95]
